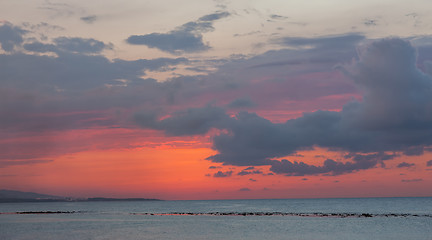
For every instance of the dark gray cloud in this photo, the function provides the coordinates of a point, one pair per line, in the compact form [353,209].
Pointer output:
[89,19]
[330,42]
[81,45]
[244,190]
[189,122]
[414,151]
[213,17]
[214,167]
[73,88]
[274,85]
[11,36]
[405,165]
[278,17]
[40,47]
[25,119]
[241,103]
[429,163]
[307,55]
[330,166]
[221,174]
[424,52]
[172,42]
[69,45]
[72,71]
[370,22]
[254,134]
[412,180]
[298,155]
[395,114]
[245,172]
[186,38]
[41,93]
[246,34]
[367,157]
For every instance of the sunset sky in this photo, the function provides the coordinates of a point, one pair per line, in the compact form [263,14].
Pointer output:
[201,99]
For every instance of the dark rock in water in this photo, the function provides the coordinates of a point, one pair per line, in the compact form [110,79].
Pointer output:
[260,214]
[47,212]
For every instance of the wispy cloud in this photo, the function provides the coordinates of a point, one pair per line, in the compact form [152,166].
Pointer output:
[9,163]
[89,19]
[412,180]
[59,9]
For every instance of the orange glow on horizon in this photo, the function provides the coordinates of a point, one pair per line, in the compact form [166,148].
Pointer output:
[181,172]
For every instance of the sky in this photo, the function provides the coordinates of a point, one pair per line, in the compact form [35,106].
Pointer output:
[216,99]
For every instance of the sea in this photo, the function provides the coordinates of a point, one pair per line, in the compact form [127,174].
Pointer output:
[314,219]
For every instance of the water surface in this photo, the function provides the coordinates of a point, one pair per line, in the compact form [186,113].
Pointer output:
[391,218]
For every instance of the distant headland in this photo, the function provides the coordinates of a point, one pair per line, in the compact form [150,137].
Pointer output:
[11,196]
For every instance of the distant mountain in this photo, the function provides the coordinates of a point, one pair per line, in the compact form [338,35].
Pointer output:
[99,199]
[18,196]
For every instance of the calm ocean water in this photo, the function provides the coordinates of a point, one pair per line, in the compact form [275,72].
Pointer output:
[363,218]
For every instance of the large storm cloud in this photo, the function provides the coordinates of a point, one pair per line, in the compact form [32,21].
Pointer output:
[394,114]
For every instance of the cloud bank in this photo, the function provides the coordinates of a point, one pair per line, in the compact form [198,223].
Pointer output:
[66,83]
